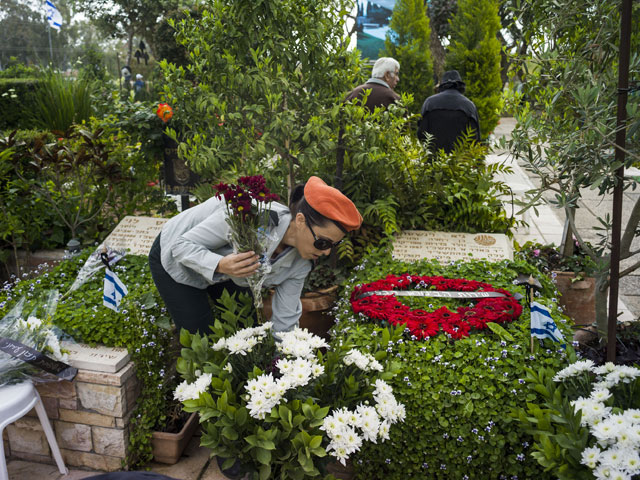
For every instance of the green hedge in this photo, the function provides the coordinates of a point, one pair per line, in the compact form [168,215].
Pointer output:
[457,393]
[17,103]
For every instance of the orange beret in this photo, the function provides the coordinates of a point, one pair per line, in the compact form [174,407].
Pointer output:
[331,203]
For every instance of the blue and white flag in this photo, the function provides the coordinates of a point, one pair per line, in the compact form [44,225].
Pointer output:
[53,15]
[114,290]
[543,326]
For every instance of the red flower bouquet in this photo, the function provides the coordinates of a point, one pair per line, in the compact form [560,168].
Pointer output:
[385,307]
[247,205]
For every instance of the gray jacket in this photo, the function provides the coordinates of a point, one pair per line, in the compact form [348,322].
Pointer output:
[193,243]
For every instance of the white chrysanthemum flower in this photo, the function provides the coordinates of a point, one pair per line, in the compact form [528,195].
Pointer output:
[605,432]
[600,395]
[284,365]
[228,367]
[191,391]
[317,370]
[632,415]
[591,457]
[33,323]
[383,432]
[605,369]
[221,344]
[237,345]
[574,369]
[382,387]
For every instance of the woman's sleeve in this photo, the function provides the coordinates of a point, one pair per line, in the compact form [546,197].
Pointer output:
[195,248]
[286,304]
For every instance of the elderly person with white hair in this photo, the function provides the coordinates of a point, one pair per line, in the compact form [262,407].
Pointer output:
[384,78]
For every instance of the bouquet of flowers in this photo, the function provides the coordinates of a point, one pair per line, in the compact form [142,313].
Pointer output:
[247,205]
[30,344]
[284,409]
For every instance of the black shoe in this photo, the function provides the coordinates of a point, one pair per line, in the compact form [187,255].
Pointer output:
[234,472]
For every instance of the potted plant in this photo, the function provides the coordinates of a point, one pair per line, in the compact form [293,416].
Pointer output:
[283,409]
[572,274]
[173,431]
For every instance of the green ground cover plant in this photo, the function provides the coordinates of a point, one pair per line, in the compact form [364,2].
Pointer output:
[141,326]
[457,393]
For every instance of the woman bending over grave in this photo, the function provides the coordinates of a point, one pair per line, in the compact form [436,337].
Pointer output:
[192,260]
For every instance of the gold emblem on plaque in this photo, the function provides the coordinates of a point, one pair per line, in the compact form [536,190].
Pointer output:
[485,240]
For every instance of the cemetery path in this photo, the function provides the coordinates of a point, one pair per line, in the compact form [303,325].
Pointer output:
[546,225]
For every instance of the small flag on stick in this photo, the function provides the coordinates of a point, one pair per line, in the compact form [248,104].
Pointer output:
[53,15]
[543,326]
[114,290]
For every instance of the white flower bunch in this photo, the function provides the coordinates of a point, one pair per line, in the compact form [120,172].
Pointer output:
[49,342]
[265,392]
[342,425]
[299,343]
[615,455]
[243,341]
[363,361]
[574,369]
[192,391]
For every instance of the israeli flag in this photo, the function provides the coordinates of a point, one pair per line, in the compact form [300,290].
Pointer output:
[53,15]
[543,326]
[114,290]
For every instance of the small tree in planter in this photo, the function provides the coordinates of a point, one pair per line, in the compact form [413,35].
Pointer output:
[566,121]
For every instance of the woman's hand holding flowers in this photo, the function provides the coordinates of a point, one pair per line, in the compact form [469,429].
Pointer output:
[239,265]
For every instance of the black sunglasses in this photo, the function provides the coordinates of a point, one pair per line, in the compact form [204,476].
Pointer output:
[322,243]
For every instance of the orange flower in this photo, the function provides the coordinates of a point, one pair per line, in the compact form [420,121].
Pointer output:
[165,112]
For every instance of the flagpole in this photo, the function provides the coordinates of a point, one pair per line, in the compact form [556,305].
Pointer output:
[50,47]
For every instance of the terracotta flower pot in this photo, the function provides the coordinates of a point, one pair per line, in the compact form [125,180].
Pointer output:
[578,298]
[315,310]
[168,447]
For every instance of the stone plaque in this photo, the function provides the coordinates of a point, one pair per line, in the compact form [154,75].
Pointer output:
[98,358]
[136,234]
[414,245]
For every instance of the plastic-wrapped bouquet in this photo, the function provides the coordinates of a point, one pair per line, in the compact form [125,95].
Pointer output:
[247,205]
[30,345]
[284,409]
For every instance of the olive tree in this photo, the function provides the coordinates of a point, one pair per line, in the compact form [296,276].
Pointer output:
[566,118]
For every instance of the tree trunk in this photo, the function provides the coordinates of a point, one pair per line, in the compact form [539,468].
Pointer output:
[130,47]
[602,289]
[437,55]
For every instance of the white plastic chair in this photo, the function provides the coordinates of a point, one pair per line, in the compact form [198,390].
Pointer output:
[15,403]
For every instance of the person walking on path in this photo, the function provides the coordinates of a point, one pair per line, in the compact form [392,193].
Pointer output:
[448,114]
[192,260]
[384,78]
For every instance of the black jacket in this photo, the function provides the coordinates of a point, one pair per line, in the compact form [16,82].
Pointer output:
[446,115]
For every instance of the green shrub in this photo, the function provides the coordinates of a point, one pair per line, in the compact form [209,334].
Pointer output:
[142,327]
[475,53]
[457,393]
[60,102]
[399,184]
[17,102]
[408,41]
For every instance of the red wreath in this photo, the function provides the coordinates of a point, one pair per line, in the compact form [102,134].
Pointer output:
[423,324]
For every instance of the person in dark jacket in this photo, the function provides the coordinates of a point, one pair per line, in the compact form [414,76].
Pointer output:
[384,78]
[448,114]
